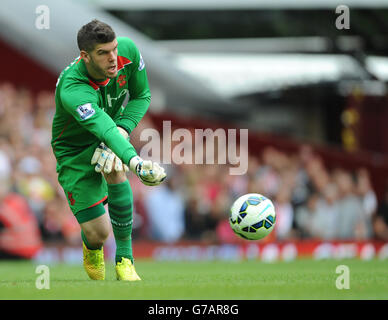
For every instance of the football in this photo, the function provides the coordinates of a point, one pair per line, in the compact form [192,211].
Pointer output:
[252,216]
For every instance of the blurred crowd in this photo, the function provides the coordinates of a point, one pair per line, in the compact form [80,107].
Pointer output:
[194,202]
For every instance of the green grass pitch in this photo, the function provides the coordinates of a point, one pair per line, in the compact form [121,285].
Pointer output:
[301,279]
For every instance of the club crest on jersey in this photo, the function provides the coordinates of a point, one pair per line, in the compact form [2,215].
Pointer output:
[121,80]
[86,111]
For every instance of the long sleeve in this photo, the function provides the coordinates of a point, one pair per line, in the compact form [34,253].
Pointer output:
[139,92]
[82,103]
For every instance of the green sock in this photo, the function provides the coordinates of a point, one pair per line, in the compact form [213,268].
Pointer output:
[87,244]
[120,204]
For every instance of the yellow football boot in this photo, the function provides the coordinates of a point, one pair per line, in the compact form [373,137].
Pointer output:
[94,263]
[125,270]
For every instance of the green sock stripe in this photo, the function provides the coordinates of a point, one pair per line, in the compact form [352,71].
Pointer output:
[116,190]
[116,208]
[120,216]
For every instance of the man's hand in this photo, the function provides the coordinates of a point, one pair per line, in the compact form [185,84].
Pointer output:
[104,158]
[150,173]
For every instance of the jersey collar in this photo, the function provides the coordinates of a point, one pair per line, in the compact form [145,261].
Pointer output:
[121,63]
[95,84]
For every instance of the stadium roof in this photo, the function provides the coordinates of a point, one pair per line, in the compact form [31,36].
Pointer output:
[378,66]
[56,47]
[181,76]
[233,74]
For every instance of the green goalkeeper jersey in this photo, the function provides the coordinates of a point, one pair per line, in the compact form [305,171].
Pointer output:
[88,112]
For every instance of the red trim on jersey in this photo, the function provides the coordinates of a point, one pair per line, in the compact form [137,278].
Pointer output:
[122,62]
[94,85]
[63,130]
[102,200]
[79,59]
[102,83]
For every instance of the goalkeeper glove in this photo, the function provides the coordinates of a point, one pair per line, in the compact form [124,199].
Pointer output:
[104,157]
[150,173]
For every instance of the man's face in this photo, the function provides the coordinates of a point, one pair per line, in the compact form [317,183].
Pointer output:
[102,61]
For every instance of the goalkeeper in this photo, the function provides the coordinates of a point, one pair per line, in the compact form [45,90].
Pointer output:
[100,98]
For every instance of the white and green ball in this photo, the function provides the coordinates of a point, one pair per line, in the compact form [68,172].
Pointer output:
[252,216]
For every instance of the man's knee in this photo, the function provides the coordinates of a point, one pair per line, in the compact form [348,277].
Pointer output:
[97,237]
[100,234]
[97,230]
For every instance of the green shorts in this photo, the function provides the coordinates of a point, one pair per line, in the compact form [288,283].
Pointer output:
[84,188]
[90,213]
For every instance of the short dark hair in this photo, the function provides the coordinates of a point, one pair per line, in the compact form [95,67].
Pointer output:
[93,33]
